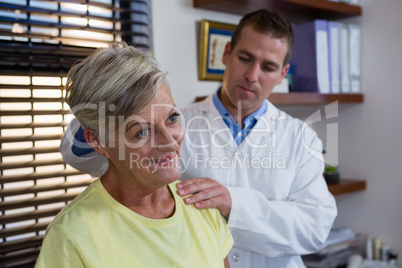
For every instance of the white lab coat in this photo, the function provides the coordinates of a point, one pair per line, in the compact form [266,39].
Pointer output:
[91,163]
[281,206]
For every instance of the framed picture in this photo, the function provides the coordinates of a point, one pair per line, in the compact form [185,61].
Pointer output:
[213,39]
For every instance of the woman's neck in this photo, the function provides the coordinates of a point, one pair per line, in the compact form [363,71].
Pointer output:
[156,203]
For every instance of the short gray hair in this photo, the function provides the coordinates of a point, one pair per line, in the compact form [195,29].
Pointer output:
[119,79]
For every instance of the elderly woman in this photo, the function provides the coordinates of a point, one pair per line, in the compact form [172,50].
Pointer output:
[132,215]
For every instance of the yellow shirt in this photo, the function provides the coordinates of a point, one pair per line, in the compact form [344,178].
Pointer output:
[94,230]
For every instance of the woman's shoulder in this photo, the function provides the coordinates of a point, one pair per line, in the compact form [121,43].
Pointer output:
[78,210]
[209,216]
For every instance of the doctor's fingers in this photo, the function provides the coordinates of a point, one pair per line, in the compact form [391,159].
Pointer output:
[222,201]
[207,194]
[196,185]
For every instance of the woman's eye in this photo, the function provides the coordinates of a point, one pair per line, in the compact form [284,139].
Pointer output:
[173,117]
[143,133]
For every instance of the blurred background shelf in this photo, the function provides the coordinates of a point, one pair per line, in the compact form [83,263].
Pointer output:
[346,186]
[296,10]
[309,98]
[306,98]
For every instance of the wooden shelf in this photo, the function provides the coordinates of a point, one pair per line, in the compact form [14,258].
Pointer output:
[309,98]
[346,186]
[295,10]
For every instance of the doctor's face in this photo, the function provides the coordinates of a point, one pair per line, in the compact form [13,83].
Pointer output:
[151,144]
[253,68]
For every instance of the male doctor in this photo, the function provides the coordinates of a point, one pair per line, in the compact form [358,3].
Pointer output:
[259,166]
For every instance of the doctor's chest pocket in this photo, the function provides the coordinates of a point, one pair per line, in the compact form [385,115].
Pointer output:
[273,183]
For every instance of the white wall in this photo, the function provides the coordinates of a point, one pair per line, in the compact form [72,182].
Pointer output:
[175,29]
[369,143]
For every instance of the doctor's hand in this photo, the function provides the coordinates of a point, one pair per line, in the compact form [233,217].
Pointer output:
[206,193]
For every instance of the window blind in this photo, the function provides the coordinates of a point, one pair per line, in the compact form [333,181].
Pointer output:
[39,42]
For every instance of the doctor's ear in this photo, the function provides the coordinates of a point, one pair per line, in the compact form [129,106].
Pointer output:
[226,52]
[94,142]
[284,71]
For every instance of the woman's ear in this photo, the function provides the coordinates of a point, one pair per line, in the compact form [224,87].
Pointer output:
[94,142]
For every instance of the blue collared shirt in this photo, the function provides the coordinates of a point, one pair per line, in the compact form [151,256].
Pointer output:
[249,122]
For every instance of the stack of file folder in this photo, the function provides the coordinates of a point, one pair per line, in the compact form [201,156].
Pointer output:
[326,57]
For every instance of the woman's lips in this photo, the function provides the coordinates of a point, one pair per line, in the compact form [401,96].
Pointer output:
[163,161]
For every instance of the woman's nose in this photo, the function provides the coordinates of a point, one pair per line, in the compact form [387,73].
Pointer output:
[169,140]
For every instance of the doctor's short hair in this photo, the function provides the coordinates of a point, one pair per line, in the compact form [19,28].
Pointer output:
[111,83]
[266,22]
